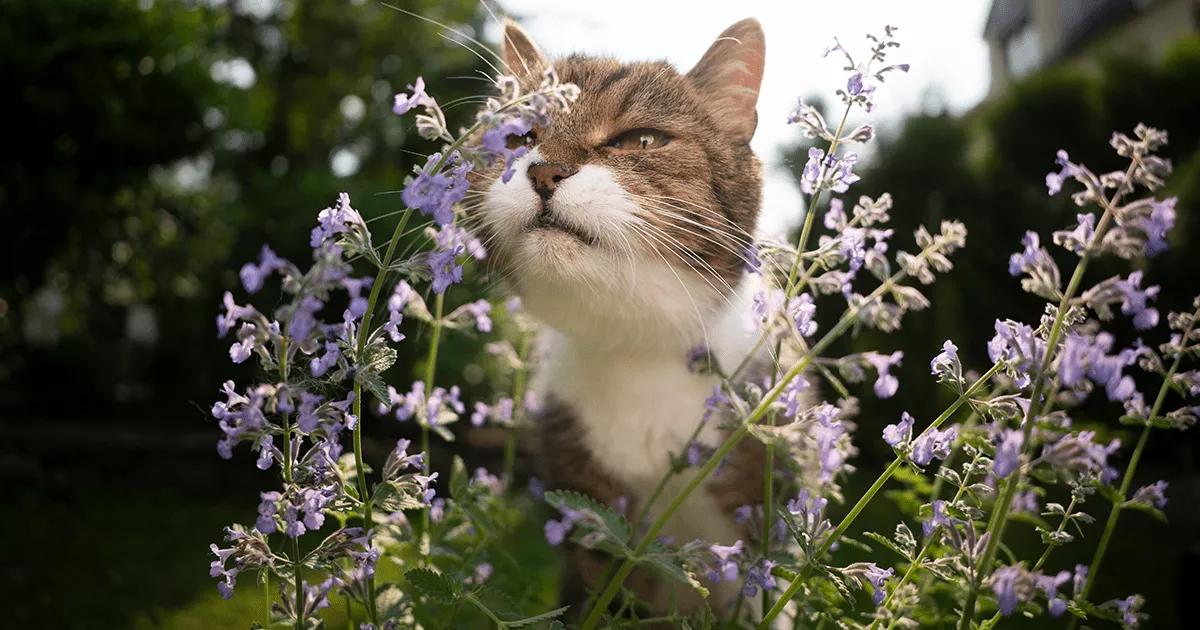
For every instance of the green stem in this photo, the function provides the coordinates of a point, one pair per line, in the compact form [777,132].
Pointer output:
[1134,460]
[999,516]
[470,597]
[430,374]
[266,599]
[867,497]
[518,398]
[916,563]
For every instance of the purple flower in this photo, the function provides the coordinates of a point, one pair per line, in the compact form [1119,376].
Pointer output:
[405,102]
[495,142]
[1135,299]
[1026,258]
[1077,239]
[556,531]
[793,396]
[323,363]
[400,297]
[759,576]
[537,489]
[725,566]
[876,577]
[1154,494]
[253,275]
[1005,583]
[1017,345]
[820,171]
[1048,584]
[933,443]
[266,455]
[898,434]
[802,312]
[939,519]
[1128,607]
[1054,181]
[445,267]
[304,320]
[946,365]
[267,508]
[307,420]
[886,384]
[826,432]
[336,220]
[1079,452]
[479,310]
[1157,224]
[1008,453]
[435,193]
[854,85]
[714,403]
[232,315]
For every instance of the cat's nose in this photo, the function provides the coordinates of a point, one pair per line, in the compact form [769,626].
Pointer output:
[546,176]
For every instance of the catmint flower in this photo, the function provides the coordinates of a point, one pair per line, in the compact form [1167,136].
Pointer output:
[1025,502]
[810,510]
[802,312]
[812,123]
[946,365]
[835,173]
[323,363]
[479,310]
[266,454]
[232,315]
[1049,585]
[405,102]
[304,320]
[556,531]
[695,453]
[495,141]
[339,219]
[1008,453]
[759,576]
[1079,453]
[933,443]
[938,519]
[826,432]
[835,216]
[886,384]
[715,403]
[445,267]
[253,275]
[725,567]
[1055,180]
[1135,301]
[1154,494]
[900,433]
[1012,585]
[241,350]
[1128,608]
[434,193]
[450,236]
[1017,345]
[1077,239]
[267,508]
[1156,225]
[876,577]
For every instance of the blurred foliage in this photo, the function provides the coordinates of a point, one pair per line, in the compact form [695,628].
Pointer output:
[163,142]
[987,168]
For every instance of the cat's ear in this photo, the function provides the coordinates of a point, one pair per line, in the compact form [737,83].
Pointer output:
[520,55]
[730,74]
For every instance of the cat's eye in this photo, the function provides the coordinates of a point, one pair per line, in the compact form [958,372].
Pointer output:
[640,140]
[527,140]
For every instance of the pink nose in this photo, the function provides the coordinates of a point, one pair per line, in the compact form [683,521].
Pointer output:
[545,176]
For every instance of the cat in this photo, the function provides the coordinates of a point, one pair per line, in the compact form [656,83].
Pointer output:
[624,230]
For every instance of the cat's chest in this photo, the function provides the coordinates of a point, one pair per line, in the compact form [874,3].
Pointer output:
[633,410]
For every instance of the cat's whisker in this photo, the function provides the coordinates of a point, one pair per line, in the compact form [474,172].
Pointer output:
[695,307]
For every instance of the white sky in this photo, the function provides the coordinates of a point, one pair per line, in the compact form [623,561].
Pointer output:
[942,40]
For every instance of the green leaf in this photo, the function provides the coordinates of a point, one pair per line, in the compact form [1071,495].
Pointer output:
[458,479]
[434,586]
[672,565]
[374,384]
[887,543]
[1145,507]
[601,527]
[542,617]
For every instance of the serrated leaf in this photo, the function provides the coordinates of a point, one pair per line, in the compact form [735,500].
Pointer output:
[887,542]
[1145,507]
[673,566]
[374,384]
[595,518]
[542,617]
[458,479]
[378,357]
[434,586]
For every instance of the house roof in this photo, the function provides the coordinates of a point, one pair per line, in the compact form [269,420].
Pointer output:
[1005,17]
[1080,20]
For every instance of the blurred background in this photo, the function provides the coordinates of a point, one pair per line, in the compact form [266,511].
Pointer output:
[156,144]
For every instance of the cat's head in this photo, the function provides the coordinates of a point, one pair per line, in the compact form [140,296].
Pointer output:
[631,213]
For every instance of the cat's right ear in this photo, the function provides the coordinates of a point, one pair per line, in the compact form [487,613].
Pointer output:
[730,74]
[520,55]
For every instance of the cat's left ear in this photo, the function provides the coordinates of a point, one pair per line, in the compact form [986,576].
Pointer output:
[730,74]
[520,55]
